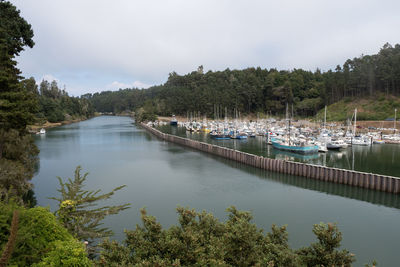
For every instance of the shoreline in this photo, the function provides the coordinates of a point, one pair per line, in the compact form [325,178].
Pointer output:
[33,129]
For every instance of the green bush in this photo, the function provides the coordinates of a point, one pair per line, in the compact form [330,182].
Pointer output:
[65,253]
[202,240]
[38,230]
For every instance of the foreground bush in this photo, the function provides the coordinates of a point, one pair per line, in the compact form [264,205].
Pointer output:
[202,240]
[40,237]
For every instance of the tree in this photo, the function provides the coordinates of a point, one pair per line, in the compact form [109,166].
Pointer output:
[18,159]
[78,209]
[15,32]
[325,253]
[18,104]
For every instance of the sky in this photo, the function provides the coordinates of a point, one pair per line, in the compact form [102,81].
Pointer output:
[96,45]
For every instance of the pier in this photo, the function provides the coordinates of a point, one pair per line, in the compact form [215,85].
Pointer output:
[348,177]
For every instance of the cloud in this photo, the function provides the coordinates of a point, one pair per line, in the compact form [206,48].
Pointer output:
[119,85]
[92,43]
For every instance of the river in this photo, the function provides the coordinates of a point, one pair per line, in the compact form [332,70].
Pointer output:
[160,175]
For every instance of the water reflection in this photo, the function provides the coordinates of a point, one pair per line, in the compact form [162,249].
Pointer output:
[358,193]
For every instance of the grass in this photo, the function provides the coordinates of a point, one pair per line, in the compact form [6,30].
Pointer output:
[379,107]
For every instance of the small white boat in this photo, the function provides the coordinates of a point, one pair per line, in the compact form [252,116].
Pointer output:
[42,131]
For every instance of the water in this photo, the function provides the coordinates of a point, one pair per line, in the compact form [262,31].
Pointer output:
[380,159]
[161,175]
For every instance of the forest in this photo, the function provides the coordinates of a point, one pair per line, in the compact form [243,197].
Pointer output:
[54,103]
[257,90]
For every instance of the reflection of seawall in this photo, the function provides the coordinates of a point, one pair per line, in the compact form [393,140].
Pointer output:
[358,193]
[341,176]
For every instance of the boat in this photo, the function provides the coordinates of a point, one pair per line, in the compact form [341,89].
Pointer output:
[322,147]
[360,141]
[237,135]
[378,141]
[296,147]
[219,135]
[42,131]
[174,121]
[336,144]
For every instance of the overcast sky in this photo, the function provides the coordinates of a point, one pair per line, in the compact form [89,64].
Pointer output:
[94,45]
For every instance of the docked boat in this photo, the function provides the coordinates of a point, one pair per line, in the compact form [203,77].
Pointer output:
[336,144]
[219,135]
[360,141]
[174,121]
[296,147]
[42,131]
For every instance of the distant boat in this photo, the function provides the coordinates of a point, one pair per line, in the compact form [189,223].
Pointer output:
[42,131]
[301,148]
[174,121]
[219,135]
[336,144]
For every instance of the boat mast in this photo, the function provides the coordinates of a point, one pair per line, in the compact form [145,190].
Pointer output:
[325,118]
[355,122]
[394,126]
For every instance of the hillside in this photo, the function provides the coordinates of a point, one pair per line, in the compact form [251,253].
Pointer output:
[375,108]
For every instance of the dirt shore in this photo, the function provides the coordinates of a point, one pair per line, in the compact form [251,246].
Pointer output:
[36,127]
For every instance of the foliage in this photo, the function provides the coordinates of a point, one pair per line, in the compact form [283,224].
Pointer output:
[78,209]
[16,104]
[18,156]
[202,240]
[39,235]
[379,107]
[145,113]
[9,246]
[56,105]
[14,30]
[325,253]
[17,107]
[66,253]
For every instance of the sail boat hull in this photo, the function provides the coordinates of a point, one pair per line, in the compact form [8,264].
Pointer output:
[295,149]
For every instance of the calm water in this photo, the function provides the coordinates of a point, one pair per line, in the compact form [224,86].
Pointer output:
[160,176]
[381,159]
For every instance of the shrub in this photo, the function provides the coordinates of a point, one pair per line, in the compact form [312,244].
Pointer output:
[38,230]
[66,253]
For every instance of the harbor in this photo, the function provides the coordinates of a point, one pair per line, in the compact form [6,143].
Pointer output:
[369,180]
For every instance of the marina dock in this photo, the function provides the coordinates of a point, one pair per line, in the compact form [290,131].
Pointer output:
[372,181]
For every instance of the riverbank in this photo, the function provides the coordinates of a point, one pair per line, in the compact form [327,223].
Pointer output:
[47,125]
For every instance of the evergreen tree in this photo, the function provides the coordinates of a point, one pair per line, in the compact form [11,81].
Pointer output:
[18,104]
[78,208]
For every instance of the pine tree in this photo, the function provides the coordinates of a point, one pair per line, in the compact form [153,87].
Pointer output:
[18,154]
[78,209]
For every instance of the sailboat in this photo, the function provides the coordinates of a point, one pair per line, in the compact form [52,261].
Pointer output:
[359,140]
[296,146]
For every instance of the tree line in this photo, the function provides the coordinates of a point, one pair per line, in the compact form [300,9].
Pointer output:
[256,90]
[54,103]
